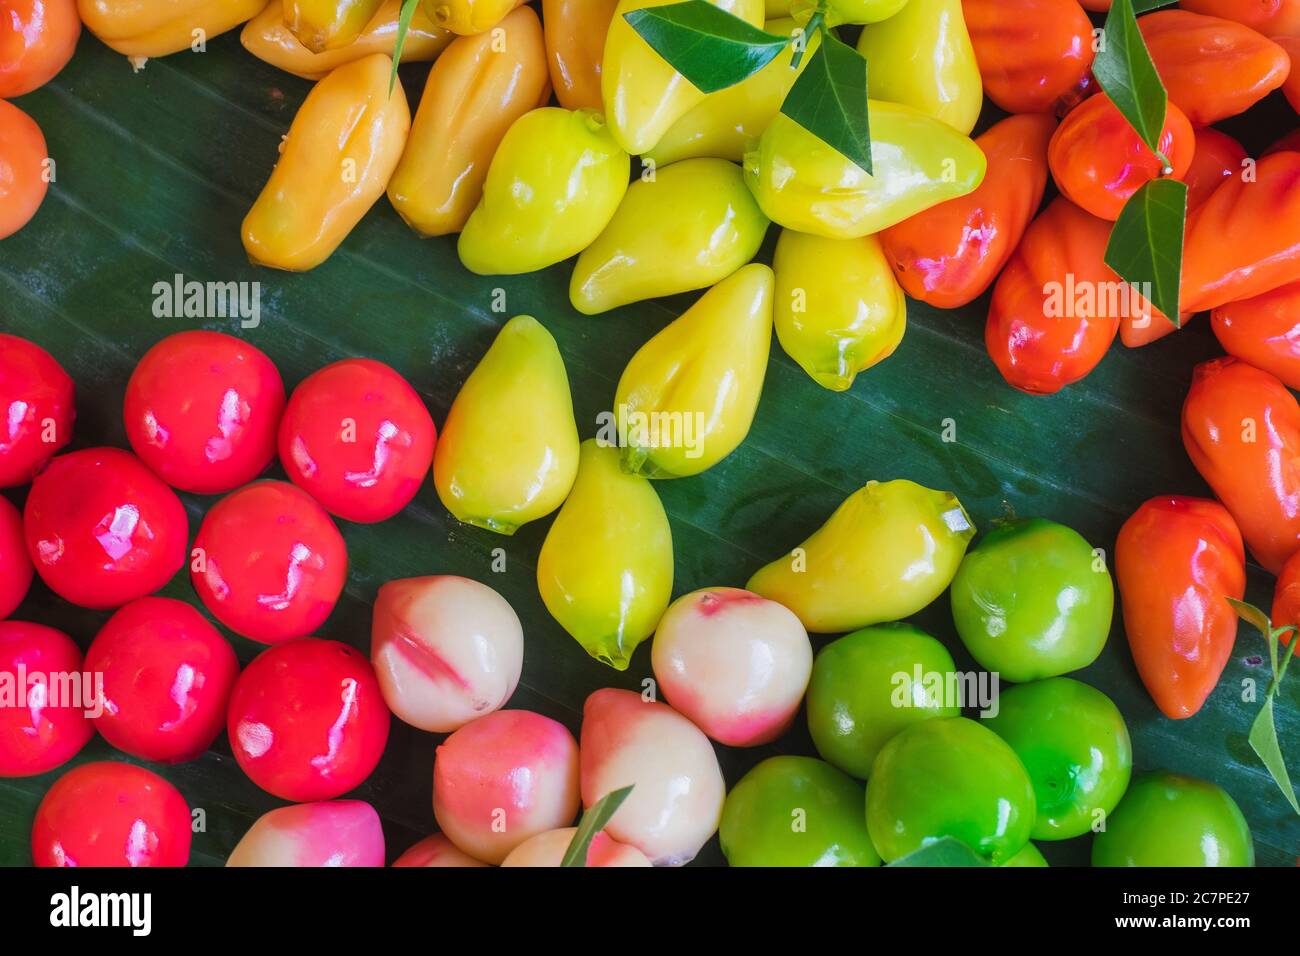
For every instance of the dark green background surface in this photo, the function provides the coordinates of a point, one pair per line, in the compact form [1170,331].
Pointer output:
[156,171]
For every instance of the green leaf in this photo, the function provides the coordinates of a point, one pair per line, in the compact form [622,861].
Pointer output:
[712,48]
[829,100]
[1146,244]
[947,851]
[1263,731]
[403,26]
[1263,740]
[1125,71]
[593,821]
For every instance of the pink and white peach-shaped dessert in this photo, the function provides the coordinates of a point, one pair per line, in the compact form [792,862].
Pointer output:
[734,663]
[446,650]
[502,779]
[333,833]
[678,790]
[548,849]
[436,850]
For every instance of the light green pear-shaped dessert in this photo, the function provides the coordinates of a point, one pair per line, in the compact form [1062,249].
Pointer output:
[508,453]
[888,551]
[606,567]
[688,397]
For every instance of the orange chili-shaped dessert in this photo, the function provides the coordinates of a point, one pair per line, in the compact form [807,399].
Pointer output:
[1031,53]
[949,254]
[1178,560]
[1099,161]
[1245,239]
[1212,68]
[1264,331]
[1241,428]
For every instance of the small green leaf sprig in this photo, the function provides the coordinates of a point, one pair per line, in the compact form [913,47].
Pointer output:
[1146,243]
[593,821]
[714,49]
[1263,732]
[403,27]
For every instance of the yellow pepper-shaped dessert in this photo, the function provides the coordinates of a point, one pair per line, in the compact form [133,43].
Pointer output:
[469,16]
[643,95]
[806,185]
[575,46]
[554,184]
[508,453]
[889,550]
[475,92]
[838,309]
[724,123]
[691,225]
[845,11]
[341,148]
[606,568]
[327,24]
[144,28]
[268,38]
[922,56]
[688,396]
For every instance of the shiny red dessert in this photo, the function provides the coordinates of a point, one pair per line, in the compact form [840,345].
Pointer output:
[202,410]
[111,814]
[268,562]
[15,564]
[36,409]
[102,529]
[307,721]
[358,437]
[44,696]
[167,676]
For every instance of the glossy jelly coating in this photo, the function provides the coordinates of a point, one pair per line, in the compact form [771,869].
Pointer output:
[42,726]
[102,529]
[202,410]
[112,814]
[549,848]
[307,721]
[502,779]
[16,569]
[167,676]
[678,790]
[330,833]
[446,649]
[36,409]
[734,663]
[435,850]
[268,562]
[357,436]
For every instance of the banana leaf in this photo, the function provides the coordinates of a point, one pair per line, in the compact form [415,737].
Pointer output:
[154,173]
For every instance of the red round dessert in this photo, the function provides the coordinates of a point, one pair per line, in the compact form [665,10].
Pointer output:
[357,436]
[268,562]
[167,676]
[15,565]
[43,699]
[102,529]
[36,409]
[307,720]
[111,814]
[202,409]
